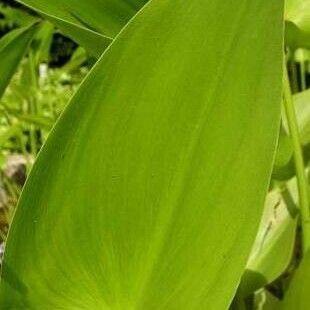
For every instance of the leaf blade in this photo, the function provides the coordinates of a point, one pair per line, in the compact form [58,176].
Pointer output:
[164,166]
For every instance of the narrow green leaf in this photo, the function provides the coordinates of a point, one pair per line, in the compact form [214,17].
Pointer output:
[93,41]
[143,193]
[297,297]
[42,43]
[106,17]
[302,104]
[33,119]
[78,58]
[264,300]
[15,16]
[283,167]
[273,247]
[91,23]
[12,49]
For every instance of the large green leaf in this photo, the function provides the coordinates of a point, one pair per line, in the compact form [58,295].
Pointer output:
[12,49]
[297,297]
[274,244]
[91,23]
[150,188]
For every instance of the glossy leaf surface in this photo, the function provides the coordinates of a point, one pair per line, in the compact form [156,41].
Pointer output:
[143,191]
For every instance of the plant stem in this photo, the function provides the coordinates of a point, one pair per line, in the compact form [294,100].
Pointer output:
[32,109]
[294,85]
[299,163]
[303,76]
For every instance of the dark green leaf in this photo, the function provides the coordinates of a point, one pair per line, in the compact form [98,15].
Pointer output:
[297,297]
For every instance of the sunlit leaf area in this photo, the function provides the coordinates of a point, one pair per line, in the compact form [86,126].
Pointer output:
[154,155]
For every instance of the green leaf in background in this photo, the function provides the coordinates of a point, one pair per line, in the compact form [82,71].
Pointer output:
[94,42]
[284,166]
[298,12]
[12,49]
[92,23]
[42,42]
[264,300]
[297,297]
[302,106]
[298,23]
[302,58]
[106,17]
[15,17]
[143,193]
[273,247]
[78,58]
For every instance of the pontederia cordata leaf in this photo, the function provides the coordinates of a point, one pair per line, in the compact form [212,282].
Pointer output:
[273,248]
[91,23]
[297,297]
[144,191]
[12,49]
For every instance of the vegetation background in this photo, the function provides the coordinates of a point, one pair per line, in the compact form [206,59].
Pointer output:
[32,103]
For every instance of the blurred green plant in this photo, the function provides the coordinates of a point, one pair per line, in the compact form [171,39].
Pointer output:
[29,114]
[32,103]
